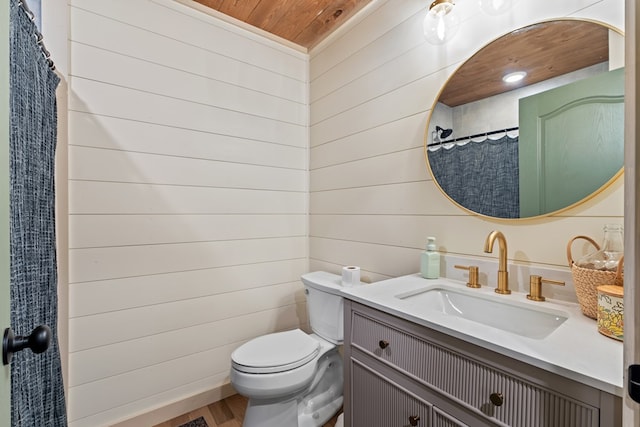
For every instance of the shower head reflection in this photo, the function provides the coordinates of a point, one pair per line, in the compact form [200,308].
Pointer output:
[443,133]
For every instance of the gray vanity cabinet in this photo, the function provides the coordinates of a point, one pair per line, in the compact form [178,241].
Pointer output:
[398,373]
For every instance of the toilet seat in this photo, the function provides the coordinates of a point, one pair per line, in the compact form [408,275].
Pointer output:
[277,352]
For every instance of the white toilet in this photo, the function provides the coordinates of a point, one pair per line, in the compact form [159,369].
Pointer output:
[293,379]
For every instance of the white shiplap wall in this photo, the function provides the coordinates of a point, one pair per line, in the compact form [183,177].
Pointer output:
[188,148]
[372,200]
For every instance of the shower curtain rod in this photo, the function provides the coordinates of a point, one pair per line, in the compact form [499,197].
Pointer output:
[39,37]
[462,138]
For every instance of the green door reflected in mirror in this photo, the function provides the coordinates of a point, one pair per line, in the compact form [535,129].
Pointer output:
[571,142]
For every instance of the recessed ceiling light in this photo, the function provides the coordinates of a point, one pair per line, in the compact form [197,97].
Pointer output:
[514,77]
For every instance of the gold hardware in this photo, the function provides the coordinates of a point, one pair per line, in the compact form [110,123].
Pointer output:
[496,398]
[413,420]
[535,287]
[383,344]
[503,274]
[437,2]
[474,272]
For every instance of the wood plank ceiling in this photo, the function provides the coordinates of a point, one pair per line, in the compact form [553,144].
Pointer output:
[303,22]
[544,50]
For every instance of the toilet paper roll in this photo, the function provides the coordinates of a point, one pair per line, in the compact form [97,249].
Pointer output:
[350,275]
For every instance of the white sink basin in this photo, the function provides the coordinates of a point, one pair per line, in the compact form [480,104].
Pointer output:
[519,319]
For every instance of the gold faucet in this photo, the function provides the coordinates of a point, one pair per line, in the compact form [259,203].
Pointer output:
[503,274]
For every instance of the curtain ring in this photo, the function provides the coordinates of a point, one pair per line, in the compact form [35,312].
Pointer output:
[25,7]
[45,52]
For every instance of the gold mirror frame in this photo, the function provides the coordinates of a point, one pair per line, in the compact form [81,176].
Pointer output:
[427,134]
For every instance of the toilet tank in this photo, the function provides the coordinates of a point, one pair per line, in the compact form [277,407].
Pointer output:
[325,305]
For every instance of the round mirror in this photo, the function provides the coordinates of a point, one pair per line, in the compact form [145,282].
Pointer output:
[533,123]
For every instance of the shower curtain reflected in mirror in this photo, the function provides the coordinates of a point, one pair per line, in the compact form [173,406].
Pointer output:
[480,176]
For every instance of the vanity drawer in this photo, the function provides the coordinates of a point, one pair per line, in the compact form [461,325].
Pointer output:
[442,419]
[390,405]
[491,392]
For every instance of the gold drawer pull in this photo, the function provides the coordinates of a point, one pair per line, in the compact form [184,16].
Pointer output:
[383,344]
[413,420]
[497,399]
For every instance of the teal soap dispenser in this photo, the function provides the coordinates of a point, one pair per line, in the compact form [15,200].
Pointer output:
[430,260]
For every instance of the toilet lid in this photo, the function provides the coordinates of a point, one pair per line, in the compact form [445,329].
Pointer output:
[278,352]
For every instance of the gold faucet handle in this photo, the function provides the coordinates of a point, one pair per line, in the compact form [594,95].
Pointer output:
[535,287]
[474,273]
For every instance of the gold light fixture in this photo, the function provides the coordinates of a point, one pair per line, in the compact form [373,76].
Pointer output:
[441,22]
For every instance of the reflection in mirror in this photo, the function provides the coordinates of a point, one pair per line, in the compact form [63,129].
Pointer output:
[540,144]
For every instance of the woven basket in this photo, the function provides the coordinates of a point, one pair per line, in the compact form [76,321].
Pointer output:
[586,280]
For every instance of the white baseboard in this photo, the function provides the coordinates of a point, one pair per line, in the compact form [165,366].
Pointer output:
[178,408]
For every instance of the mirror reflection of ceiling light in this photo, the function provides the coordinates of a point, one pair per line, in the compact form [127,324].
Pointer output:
[514,77]
[441,22]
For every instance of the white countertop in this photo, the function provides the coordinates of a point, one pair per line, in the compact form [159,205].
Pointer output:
[575,350]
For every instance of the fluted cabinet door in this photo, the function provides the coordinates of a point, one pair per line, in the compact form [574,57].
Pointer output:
[442,419]
[378,402]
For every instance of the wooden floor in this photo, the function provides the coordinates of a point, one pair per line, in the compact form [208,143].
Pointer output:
[226,413]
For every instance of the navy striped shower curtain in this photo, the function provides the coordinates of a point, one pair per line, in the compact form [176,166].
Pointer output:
[36,379]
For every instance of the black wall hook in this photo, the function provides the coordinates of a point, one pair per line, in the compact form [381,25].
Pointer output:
[38,341]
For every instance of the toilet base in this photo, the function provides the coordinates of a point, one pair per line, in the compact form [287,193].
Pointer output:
[320,417]
[269,413]
[325,396]
[312,408]
[279,414]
